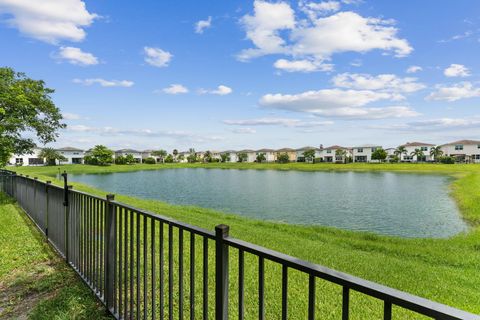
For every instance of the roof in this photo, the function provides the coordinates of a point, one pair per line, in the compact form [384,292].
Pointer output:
[462,142]
[127,151]
[334,147]
[266,150]
[368,146]
[228,151]
[286,150]
[69,149]
[246,150]
[417,144]
[307,148]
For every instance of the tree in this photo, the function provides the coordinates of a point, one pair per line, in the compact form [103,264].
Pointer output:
[283,158]
[192,157]
[261,157]
[101,155]
[436,152]
[207,157]
[379,154]
[399,151]
[418,153]
[175,154]
[129,159]
[160,153]
[169,159]
[341,153]
[242,157]
[309,155]
[225,157]
[149,160]
[51,156]
[120,160]
[181,157]
[25,105]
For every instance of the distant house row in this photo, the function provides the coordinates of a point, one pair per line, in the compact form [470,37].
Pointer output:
[464,151]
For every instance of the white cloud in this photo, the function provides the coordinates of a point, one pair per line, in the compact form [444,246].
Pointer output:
[456,92]
[221,90]
[439,124]
[175,89]
[273,29]
[49,20]
[456,70]
[244,130]
[157,57]
[315,9]
[370,113]
[104,83]
[414,69]
[302,66]
[77,56]
[71,116]
[382,82]
[285,122]
[201,25]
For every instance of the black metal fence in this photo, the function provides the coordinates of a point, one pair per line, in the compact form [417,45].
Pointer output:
[142,265]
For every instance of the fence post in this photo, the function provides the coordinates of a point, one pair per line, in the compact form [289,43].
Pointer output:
[48,183]
[65,204]
[110,244]
[221,272]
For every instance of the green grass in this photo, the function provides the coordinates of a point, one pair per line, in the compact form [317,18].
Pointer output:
[34,281]
[443,270]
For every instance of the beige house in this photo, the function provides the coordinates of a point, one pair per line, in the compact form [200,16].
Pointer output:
[292,154]
[270,154]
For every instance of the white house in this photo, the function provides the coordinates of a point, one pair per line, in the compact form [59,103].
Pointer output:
[463,150]
[32,159]
[410,147]
[137,155]
[251,155]
[270,154]
[364,153]
[329,154]
[71,155]
[232,154]
[300,151]
[391,153]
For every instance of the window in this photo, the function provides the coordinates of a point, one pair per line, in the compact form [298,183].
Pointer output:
[360,150]
[424,148]
[374,149]
[459,147]
[329,151]
[478,146]
[19,161]
[407,158]
[476,156]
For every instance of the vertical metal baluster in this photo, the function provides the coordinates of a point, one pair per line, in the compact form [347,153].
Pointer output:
[145,267]
[125,268]
[345,303]
[261,288]
[170,272]
[162,272]
[153,267]
[180,273]
[311,297]
[96,242]
[102,238]
[192,276]
[137,216]
[387,310]
[284,292]
[119,288]
[241,285]
[205,278]
[132,250]
[90,228]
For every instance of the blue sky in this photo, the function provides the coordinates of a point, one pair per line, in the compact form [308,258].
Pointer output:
[250,74]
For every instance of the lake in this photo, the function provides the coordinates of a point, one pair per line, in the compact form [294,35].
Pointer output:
[400,204]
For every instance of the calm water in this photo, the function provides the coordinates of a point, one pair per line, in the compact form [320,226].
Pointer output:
[407,205]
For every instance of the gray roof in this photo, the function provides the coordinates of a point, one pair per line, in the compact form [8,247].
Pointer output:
[127,151]
[69,149]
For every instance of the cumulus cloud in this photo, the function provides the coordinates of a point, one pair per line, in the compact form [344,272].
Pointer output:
[273,29]
[104,83]
[315,9]
[414,69]
[50,21]
[462,90]
[201,25]
[76,56]
[382,82]
[157,57]
[244,130]
[302,66]
[175,89]
[456,70]
[285,122]
[221,90]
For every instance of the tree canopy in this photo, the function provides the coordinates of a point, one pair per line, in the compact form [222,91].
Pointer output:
[379,154]
[100,155]
[25,106]
[51,155]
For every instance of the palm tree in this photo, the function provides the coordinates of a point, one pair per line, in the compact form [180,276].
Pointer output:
[51,155]
[399,151]
[417,153]
[342,154]
[436,152]
[261,157]
[161,154]
[175,153]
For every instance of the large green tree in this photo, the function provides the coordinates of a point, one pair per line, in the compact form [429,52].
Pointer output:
[101,155]
[309,155]
[379,154]
[25,106]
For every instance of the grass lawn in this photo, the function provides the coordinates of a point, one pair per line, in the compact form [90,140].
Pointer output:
[34,282]
[443,270]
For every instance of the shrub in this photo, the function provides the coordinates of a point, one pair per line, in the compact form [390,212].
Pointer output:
[149,160]
[283,158]
[120,160]
[447,160]
[169,159]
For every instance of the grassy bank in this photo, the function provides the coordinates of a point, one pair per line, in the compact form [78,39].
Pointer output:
[444,270]
[34,282]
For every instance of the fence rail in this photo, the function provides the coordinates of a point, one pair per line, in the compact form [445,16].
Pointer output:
[136,261]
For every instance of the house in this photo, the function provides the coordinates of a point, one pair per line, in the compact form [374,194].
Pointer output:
[391,154]
[71,155]
[232,154]
[32,159]
[216,155]
[363,153]
[270,154]
[251,155]
[467,151]
[410,147]
[329,154]
[137,155]
[300,157]
[292,154]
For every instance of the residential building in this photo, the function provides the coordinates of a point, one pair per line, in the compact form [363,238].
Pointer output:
[391,154]
[71,155]
[270,154]
[137,155]
[363,153]
[216,155]
[32,159]
[410,148]
[467,151]
[251,155]
[232,154]
[300,157]
[329,154]
[292,154]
